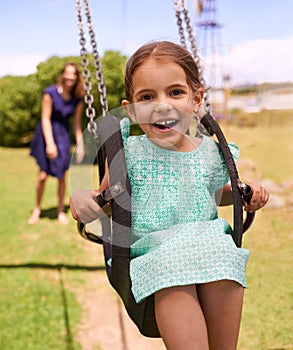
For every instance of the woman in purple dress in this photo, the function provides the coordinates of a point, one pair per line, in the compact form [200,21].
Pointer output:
[51,143]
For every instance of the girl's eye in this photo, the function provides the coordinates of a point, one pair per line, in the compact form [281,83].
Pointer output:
[146,98]
[176,92]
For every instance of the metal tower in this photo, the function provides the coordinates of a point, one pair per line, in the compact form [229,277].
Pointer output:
[210,47]
[209,39]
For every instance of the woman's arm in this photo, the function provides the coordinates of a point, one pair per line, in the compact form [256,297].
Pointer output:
[77,128]
[77,121]
[47,106]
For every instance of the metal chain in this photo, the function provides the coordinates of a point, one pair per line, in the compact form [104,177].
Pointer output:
[89,99]
[191,37]
[179,23]
[97,63]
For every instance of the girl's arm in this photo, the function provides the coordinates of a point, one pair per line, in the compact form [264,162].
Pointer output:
[83,206]
[77,128]
[47,106]
[224,196]
[259,198]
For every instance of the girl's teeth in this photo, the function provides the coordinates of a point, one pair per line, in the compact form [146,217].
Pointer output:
[168,122]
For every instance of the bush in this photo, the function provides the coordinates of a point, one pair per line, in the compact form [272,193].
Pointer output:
[20,109]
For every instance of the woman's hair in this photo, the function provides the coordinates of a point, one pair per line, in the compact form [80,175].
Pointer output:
[164,50]
[78,90]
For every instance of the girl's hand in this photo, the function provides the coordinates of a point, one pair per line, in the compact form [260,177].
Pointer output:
[84,207]
[259,198]
[52,151]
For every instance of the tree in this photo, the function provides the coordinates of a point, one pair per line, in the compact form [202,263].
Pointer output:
[113,65]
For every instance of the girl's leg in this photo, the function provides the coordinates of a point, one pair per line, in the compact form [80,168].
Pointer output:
[221,303]
[62,218]
[41,181]
[180,319]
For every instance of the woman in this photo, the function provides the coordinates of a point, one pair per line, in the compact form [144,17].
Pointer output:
[51,144]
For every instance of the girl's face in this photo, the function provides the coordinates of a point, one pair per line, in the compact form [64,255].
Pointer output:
[163,103]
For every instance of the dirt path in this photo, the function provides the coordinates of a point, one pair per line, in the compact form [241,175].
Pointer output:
[105,324]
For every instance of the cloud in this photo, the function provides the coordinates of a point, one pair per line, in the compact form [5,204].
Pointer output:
[262,61]
[255,61]
[19,64]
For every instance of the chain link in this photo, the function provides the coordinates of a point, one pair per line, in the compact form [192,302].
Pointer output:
[178,4]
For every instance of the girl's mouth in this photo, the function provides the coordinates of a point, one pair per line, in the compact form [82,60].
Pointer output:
[166,124]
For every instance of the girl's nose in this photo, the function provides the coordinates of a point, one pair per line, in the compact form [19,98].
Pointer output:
[163,107]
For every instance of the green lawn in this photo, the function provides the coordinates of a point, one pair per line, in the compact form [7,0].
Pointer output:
[43,266]
[268,308]
[40,266]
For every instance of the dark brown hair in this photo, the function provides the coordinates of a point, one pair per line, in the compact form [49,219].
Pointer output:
[78,90]
[162,50]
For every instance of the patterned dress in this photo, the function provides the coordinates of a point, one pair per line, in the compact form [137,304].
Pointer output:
[62,111]
[179,238]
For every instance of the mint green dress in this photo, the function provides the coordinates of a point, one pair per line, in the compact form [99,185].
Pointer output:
[178,237]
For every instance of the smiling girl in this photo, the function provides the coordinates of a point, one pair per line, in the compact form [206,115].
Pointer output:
[183,252]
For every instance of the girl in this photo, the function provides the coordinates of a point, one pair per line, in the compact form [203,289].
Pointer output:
[51,144]
[183,252]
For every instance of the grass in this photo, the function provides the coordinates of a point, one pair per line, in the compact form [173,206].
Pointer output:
[271,150]
[268,305]
[42,267]
[268,320]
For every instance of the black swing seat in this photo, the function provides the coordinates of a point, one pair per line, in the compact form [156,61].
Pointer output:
[117,249]
[116,236]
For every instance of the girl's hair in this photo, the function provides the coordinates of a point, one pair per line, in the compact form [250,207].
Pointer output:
[164,50]
[78,90]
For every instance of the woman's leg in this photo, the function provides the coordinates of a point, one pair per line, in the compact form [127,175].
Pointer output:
[41,181]
[180,319]
[221,303]
[62,218]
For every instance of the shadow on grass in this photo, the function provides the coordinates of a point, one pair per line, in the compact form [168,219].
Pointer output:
[69,338]
[41,265]
[51,213]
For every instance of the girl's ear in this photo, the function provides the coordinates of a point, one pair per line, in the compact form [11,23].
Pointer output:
[129,109]
[198,99]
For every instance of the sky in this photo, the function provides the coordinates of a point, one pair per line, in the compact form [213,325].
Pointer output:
[254,43]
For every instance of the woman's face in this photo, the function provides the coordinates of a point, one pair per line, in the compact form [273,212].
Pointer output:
[69,76]
[163,103]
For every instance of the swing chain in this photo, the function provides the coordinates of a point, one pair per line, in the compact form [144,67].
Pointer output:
[177,5]
[89,99]
[97,63]
[179,23]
